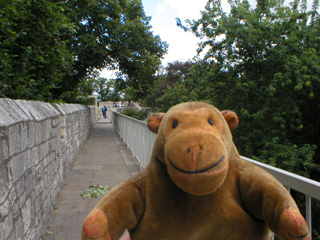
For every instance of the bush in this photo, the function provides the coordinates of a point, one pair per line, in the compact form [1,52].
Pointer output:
[137,114]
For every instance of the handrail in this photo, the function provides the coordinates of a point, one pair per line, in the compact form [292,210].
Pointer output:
[140,141]
[291,180]
[138,138]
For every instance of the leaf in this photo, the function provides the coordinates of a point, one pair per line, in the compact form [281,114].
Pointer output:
[95,191]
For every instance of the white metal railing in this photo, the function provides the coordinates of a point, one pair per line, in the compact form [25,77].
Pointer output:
[138,138]
[140,141]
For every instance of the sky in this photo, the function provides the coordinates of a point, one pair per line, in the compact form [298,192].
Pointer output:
[182,45]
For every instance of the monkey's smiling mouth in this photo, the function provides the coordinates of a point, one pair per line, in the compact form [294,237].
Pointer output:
[199,171]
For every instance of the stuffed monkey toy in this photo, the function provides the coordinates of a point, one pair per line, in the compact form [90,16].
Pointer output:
[196,187]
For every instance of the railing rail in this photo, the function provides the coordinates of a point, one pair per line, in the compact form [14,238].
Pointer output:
[138,138]
[140,141]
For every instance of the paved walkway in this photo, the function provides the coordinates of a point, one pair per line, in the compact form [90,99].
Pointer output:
[103,160]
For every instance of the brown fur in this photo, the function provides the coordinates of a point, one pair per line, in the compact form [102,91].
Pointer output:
[196,187]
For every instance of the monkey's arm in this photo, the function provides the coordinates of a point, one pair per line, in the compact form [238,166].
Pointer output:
[118,210]
[268,200]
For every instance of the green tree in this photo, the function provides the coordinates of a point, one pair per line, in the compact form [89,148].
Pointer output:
[175,73]
[33,52]
[174,95]
[113,34]
[269,57]
[48,48]
[265,66]
[102,87]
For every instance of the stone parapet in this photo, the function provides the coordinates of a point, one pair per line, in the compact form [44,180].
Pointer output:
[38,145]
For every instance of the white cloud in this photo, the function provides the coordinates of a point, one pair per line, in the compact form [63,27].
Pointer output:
[183,8]
[182,45]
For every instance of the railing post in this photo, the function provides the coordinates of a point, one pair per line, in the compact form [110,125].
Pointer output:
[308,214]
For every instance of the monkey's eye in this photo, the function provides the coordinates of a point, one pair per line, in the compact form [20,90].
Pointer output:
[175,124]
[210,122]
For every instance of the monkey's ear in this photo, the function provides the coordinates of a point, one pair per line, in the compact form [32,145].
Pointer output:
[154,121]
[231,118]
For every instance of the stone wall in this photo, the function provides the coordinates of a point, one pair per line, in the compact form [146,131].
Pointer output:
[38,145]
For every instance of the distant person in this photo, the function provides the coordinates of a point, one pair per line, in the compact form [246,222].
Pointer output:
[104,111]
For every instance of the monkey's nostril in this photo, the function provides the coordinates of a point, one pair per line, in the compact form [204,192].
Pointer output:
[201,148]
[189,150]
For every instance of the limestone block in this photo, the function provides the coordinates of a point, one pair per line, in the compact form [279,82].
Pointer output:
[40,170]
[14,110]
[35,155]
[63,132]
[8,225]
[46,161]
[36,110]
[27,159]
[40,187]
[47,203]
[4,150]
[1,231]
[32,234]
[17,167]
[69,133]
[55,122]
[19,164]
[38,132]
[53,145]
[40,227]
[12,197]
[37,206]
[14,140]
[59,108]
[44,150]
[46,128]
[33,199]
[5,118]
[15,208]
[5,183]
[20,188]
[4,209]
[44,197]
[49,173]
[24,105]
[31,134]
[54,132]
[41,110]
[29,184]
[18,229]
[26,215]
[24,132]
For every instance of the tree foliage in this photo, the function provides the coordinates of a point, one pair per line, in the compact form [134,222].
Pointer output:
[49,47]
[33,52]
[264,64]
[164,85]
[117,35]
